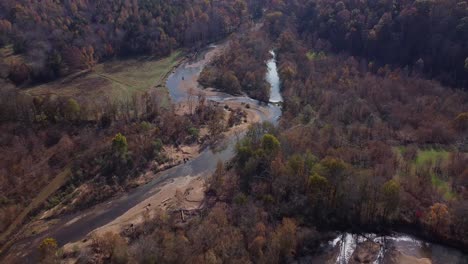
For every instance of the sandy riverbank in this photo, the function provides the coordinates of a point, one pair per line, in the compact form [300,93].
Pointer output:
[185,192]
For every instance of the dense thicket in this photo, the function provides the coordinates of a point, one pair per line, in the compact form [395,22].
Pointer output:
[56,38]
[241,68]
[99,158]
[418,35]
[367,133]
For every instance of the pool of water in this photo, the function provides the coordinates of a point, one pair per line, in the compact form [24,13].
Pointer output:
[340,249]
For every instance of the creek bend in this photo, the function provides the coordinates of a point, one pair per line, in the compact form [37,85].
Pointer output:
[77,226]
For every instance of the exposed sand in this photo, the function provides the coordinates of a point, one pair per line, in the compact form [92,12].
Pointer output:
[401,258]
[185,192]
[181,193]
[176,155]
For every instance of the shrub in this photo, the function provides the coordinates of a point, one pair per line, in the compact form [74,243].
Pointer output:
[119,144]
[48,250]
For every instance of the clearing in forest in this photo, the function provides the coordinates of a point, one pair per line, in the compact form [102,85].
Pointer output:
[430,160]
[117,80]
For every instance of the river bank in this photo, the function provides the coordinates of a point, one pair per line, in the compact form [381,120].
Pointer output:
[183,185]
[393,247]
[120,210]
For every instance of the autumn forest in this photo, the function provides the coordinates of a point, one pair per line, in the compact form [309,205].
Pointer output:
[142,131]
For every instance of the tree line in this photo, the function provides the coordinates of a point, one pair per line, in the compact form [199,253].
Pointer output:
[350,153]
[55,39]
[241,68]
[420,36]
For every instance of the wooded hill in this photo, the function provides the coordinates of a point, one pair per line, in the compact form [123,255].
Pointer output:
[57,38]
[419,36]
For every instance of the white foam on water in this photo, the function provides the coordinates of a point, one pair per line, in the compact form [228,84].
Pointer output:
[274,80]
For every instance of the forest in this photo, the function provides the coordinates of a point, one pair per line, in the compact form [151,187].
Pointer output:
[373,135]
[234,72]
[422,37]
[365,142]
[55,39]
[52,136]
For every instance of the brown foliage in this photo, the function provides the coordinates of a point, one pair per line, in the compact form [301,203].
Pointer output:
[82,32]
[19,72]
[241,68]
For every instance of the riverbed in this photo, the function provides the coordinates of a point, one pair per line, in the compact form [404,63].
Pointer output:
[77,226]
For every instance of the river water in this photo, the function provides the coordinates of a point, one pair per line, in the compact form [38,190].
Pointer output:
[273,79]
[71,228]
[76,226]
[340,250]
[342,247]
[184,78]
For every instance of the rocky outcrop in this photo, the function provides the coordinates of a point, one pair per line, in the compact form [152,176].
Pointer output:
[366,252]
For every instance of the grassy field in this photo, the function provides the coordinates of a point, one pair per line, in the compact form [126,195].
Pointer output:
[442,187]
[116,80]
[431,157]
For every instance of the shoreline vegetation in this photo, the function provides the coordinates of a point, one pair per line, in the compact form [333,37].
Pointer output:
[74,124]
[87,78]
[174,60]
[247,118]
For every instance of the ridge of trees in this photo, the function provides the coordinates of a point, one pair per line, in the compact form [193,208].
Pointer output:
[55,38]
[423,37]
[241,68]
[344,156]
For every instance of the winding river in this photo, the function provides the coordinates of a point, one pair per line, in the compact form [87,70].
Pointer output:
[342,247]
[77,226]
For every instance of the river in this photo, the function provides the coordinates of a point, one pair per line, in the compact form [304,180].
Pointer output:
[273,79]
[77,226]
[341,248]
[186,75]
[394,248]
[74,227]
